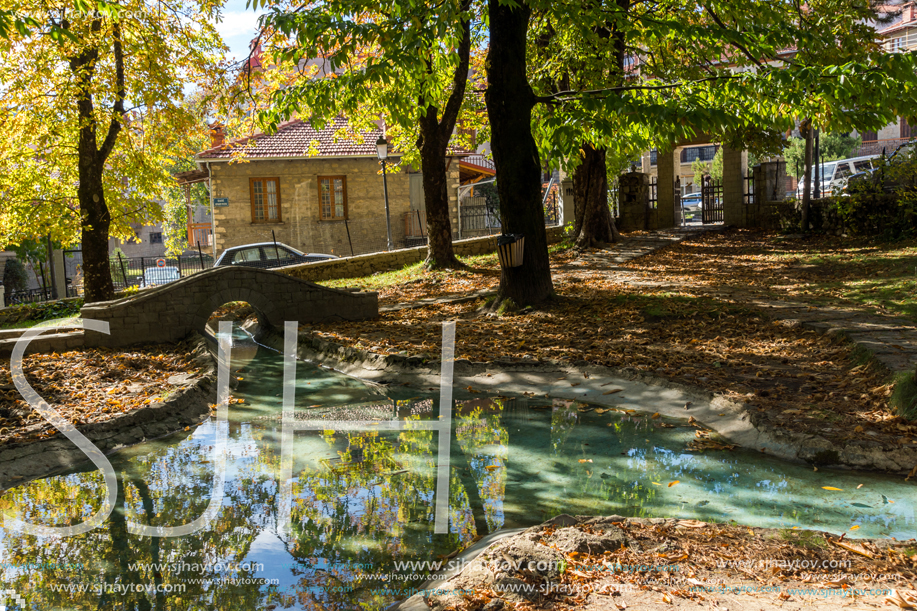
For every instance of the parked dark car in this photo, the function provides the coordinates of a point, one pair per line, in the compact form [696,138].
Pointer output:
[267,255]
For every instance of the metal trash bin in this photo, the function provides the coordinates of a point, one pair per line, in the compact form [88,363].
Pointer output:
[510,249]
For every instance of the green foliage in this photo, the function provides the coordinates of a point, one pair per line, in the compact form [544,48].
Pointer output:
[15,277]
[30,314]
[885,203]
[904,396]
[390,64]
[833,146]
[165,51]
[700,169]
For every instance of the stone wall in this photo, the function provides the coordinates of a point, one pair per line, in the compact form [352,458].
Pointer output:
[300,224]
[364,265]
[170,312]
[634,198]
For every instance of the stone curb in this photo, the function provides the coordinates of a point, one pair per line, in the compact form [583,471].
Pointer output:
[22,462]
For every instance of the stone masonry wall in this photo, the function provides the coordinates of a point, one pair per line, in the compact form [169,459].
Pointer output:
[300,224]
[364,265]
[171,311]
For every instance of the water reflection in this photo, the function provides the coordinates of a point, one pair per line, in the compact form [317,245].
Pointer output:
[364,501]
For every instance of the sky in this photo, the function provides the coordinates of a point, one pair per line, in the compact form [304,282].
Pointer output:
[238,27]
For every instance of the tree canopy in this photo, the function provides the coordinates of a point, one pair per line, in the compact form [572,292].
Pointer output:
[93,94]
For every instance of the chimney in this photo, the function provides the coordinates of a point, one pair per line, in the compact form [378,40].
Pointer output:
[216,135]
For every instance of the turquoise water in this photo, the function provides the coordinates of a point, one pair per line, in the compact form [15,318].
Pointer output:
[364,501]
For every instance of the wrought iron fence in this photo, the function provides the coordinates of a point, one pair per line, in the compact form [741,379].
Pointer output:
[478,218]
[128,272]
[748,188]
[28,296]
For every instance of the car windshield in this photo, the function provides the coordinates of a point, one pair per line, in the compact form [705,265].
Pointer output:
[827,171]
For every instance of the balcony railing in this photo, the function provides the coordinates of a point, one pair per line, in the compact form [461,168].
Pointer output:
[199,232]
[480,161]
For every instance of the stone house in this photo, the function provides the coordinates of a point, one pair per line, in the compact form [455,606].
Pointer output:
[319,191]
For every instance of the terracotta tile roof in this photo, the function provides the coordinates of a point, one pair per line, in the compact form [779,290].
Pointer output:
[295,139]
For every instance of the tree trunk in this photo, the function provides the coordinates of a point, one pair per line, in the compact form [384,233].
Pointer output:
[590,189]
[806,128]
[510,100]
[435,194]
[434,142]
[95,220]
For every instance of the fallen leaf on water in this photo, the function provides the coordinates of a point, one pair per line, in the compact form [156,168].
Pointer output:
[855,527]
[492,467]
[676,482]
[585,460]
[654,416]
[656,483]
[832,488]
[860,486]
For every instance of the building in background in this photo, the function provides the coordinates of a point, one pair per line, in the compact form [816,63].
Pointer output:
[316,191]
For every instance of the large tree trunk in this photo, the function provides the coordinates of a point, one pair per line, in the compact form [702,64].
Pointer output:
[95,220]
[590,196]
[510,100]
[434,139]
[436,200]
[806,131]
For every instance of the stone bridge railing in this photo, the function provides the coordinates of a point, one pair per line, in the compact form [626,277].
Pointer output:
[171,311]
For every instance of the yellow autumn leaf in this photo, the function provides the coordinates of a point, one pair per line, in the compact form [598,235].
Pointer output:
[656,483]
[654,416]
[492,467]
[832,488]
[674,483]
[855,527]
[585,460]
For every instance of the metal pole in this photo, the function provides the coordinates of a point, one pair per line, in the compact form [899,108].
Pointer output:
[388,222]
[347,227]
[201,254]
[276,250]
[818,176]
[44,285]
[123,273]
[51,269]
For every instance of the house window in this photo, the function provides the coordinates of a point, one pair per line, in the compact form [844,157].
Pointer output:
[156,238]
[654,157]
[905,128]
[265,194]
[695,153]
[332,197]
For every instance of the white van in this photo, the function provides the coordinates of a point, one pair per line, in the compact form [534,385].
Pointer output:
[153,276]
[834,174]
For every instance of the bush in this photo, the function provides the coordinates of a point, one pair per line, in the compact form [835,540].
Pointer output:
[885,203]
[15,277]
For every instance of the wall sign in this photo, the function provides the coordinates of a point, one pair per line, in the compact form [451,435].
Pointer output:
[220,202]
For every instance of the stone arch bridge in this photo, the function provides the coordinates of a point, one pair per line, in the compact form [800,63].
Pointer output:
[167,313]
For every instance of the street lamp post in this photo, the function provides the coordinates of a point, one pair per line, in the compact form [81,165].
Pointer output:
[382,151]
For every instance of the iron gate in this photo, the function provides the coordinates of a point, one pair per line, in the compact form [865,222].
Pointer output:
[711,201]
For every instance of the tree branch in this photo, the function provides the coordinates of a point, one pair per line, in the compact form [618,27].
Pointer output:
[459,78]
[118,107]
